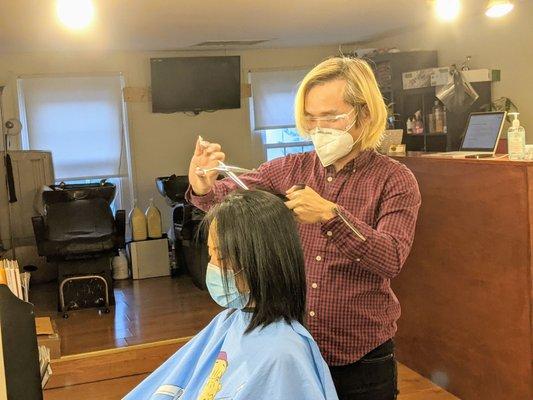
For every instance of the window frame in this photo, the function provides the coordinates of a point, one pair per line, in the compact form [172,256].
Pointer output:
[282,145]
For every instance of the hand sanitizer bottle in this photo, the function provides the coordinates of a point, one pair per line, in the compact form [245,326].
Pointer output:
[516,139]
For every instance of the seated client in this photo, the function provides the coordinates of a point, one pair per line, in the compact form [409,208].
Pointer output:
[258,347]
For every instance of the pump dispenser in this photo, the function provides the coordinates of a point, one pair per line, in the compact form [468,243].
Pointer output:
[516,139]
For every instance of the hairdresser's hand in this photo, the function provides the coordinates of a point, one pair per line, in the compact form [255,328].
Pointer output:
[206,155]
[309,206]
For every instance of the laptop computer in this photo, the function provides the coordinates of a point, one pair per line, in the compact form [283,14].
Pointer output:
[481,137]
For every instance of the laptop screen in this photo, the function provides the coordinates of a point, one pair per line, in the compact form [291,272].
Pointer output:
[483,131]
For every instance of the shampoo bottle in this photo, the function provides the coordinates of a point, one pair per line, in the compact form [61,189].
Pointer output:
[153,219]
[137,224]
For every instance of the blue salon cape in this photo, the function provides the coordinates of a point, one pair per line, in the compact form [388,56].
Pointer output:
[278,362]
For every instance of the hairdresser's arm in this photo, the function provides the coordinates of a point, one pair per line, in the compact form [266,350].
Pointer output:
[385,246]
[205,190]
[381,249]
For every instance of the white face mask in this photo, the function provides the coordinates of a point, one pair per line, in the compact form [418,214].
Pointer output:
[331,144]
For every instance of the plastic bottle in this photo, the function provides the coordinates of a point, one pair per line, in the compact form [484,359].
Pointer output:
[120,266]
[138,224]
[516,139]
[409,126]
[438,117]
[431,122]
[153,219]
[419,123]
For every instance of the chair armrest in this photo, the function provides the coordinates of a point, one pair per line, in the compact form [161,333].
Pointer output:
[120,228]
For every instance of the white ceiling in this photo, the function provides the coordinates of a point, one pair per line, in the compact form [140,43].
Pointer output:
[31,25]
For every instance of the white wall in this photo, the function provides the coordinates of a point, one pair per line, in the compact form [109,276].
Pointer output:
[505,44]
[162,144]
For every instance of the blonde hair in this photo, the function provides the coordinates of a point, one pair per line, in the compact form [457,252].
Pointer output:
[362,92]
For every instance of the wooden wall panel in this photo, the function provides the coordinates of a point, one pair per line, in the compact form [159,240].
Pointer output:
[466,287]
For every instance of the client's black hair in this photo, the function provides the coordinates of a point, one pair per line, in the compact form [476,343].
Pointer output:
[257,233]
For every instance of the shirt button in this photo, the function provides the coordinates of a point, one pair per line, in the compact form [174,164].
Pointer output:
[318,258]
[312,313]
[314,285]
[357,259]
[329,233]
[330,178]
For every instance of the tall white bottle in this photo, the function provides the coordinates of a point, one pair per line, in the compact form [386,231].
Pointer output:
[516,140]
[138,224]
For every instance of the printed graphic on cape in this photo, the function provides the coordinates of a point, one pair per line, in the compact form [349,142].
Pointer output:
[172,391]
[213,385]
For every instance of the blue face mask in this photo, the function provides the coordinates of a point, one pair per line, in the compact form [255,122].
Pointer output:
[215,284]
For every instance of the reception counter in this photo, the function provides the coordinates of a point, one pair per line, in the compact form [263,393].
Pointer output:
[466,288]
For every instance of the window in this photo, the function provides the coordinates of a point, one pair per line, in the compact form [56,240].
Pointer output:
[81,120]
[281,142]
[272,102]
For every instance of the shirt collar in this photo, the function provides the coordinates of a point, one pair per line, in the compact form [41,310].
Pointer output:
[363,158]
[354,164]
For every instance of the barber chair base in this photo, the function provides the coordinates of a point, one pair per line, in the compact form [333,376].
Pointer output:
[85,284]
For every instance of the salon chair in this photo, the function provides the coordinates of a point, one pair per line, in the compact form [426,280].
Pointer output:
[190,245]
[79,231]
[187,229]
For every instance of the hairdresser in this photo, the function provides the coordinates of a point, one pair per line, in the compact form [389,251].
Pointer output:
[356,214]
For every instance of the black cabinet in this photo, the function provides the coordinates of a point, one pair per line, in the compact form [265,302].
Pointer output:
[389,67]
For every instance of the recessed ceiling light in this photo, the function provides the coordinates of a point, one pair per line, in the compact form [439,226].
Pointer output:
[447,10]
[498,8]
[75,14]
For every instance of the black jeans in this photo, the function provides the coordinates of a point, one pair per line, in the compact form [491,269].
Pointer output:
[373,377]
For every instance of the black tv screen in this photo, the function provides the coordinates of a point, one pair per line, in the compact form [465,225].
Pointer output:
[195,83]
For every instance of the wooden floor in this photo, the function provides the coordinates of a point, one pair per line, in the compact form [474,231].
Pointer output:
[146,311]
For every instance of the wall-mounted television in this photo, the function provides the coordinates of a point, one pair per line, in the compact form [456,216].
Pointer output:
[195,84]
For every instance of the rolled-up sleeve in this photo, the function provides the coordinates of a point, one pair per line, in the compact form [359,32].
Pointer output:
[383,248]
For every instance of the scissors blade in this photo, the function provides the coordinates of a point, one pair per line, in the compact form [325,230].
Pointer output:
[236,179]
[238,170]
[223,168]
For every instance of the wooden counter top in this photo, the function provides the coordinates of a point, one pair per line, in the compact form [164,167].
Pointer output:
[497,159]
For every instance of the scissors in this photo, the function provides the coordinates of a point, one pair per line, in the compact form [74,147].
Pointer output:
[229,171]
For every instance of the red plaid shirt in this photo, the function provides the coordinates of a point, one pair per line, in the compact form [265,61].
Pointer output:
[350,304]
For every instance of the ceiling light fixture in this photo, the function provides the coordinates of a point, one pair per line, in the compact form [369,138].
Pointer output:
[75,14]
[498,8]
[447,10]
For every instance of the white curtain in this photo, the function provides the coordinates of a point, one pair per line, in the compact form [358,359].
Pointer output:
[78,119]
[273,95]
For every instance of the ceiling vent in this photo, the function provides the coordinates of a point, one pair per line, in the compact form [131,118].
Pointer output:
[230,43]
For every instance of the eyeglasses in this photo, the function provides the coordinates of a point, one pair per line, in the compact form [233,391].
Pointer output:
[330,121]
